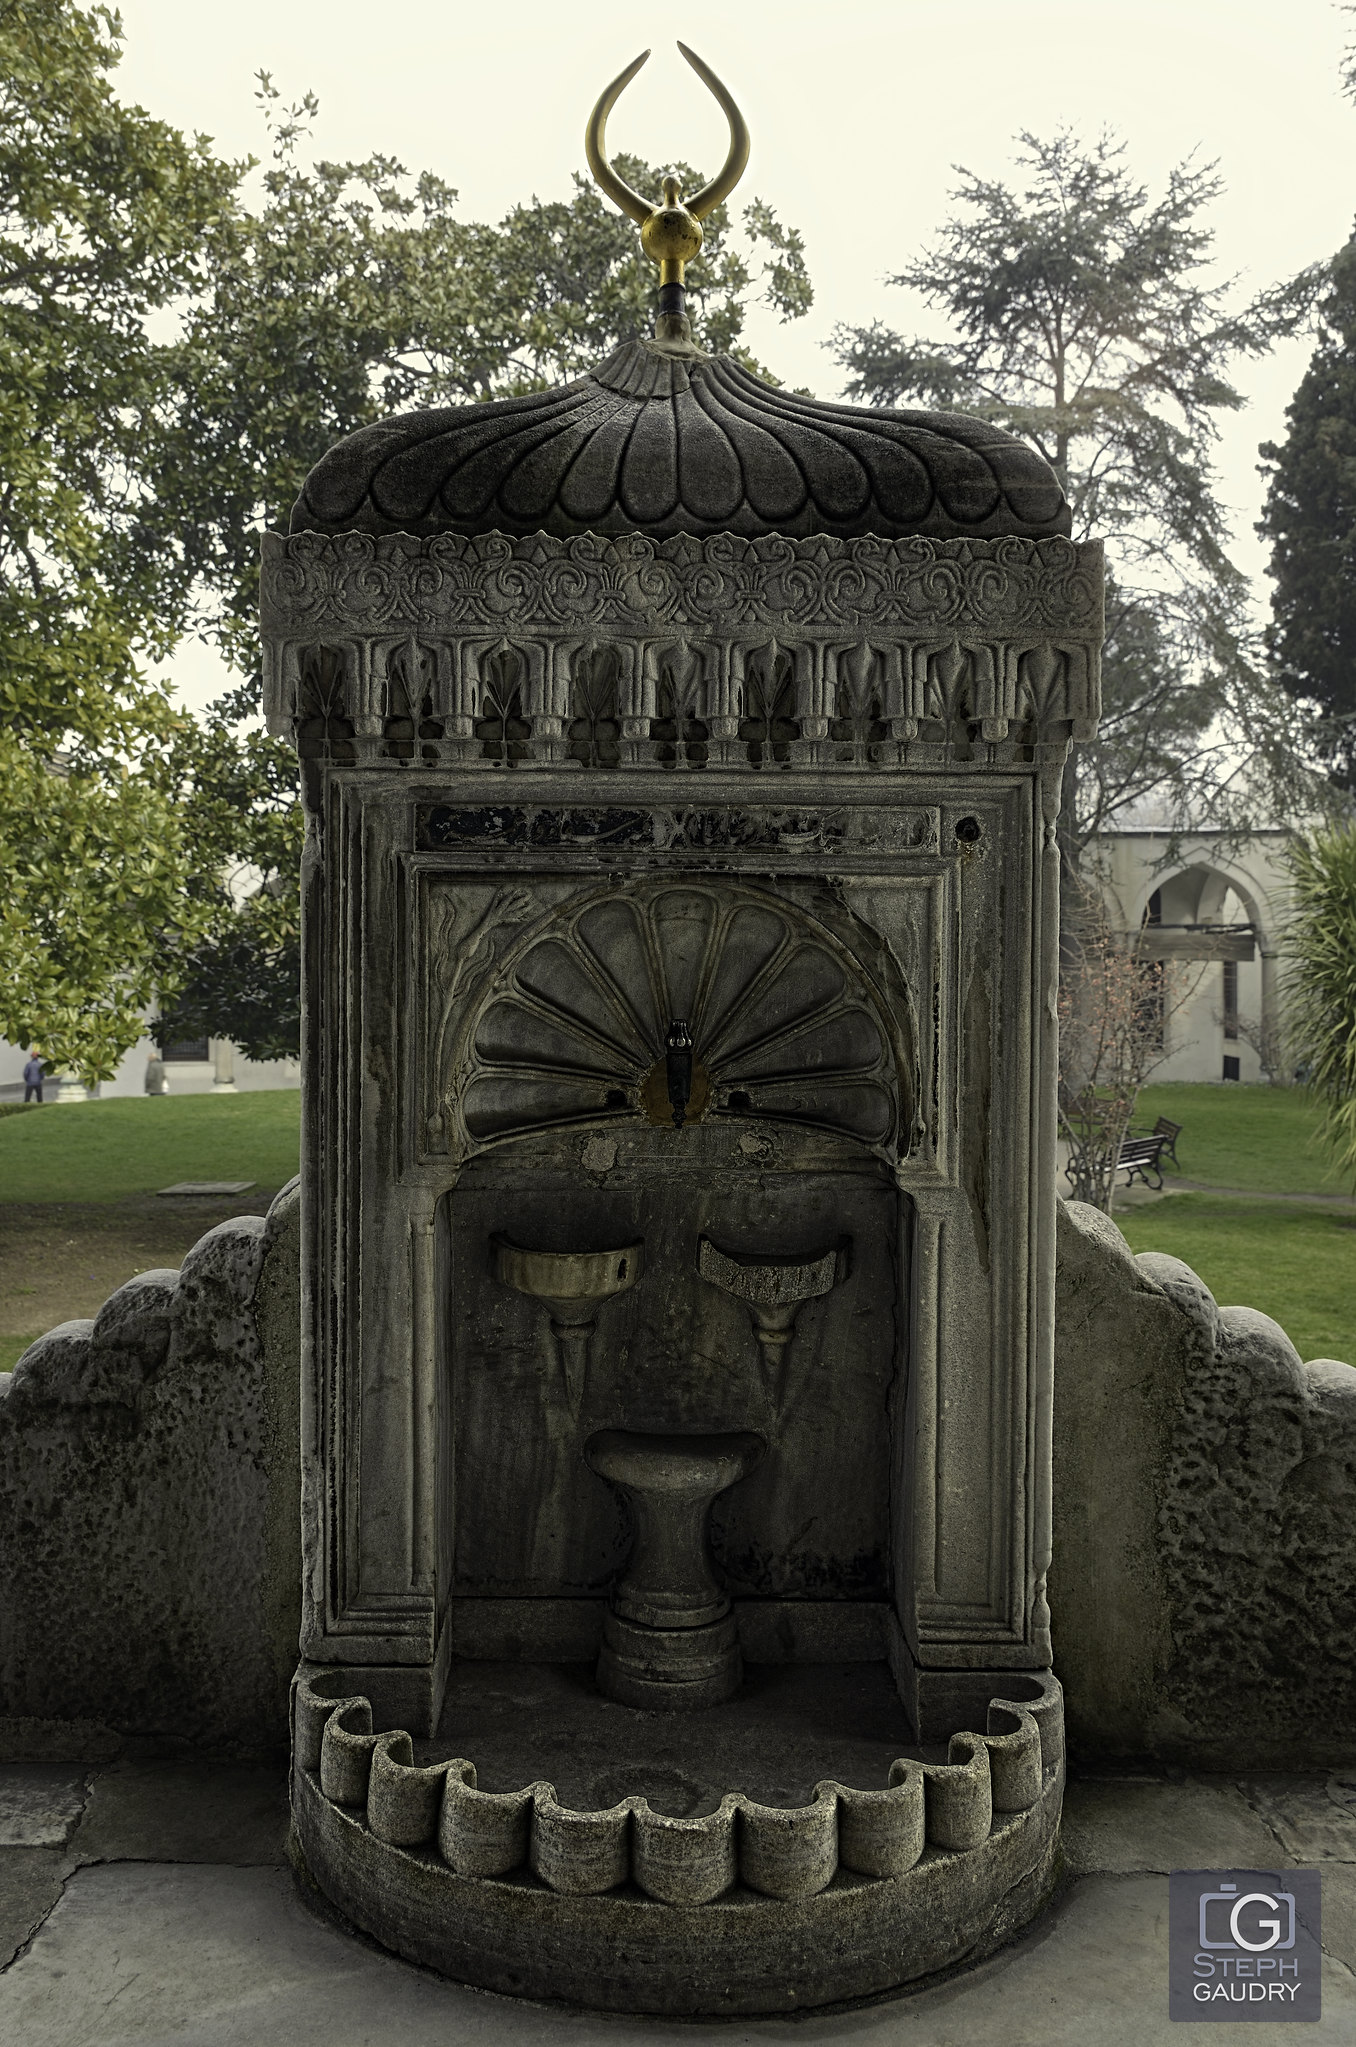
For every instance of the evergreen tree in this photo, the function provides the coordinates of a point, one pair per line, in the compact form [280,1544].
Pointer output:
[1310,520]
[1078,316]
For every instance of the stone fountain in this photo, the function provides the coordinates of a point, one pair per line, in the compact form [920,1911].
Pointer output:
[681,760]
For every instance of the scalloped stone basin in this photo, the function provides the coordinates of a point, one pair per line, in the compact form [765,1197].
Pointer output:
[744,1907]
[669,1641]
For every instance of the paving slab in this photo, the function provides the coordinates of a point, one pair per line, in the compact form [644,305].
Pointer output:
[1314,1821]
[1128,1824]
[40,1803]
[185,1812]
[30,1884]
[1339,1910]
[150,1954]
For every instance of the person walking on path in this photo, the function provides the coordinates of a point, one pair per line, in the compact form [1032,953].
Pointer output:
[33,1076]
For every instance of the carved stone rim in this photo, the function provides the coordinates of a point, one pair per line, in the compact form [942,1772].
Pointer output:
[776,1852]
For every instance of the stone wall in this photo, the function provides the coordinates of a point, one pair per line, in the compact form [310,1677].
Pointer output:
[1203,1588]
[1204,1577]
[149,1480]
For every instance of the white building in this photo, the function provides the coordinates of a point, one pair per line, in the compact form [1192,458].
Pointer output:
[1214,913]
[206,1066]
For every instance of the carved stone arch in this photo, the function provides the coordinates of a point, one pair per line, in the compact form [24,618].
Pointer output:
[323,724]
[768,727]
[410,725]
[1214,868]
[788,1023]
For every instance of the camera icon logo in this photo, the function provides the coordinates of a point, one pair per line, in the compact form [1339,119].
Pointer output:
[1250,1922]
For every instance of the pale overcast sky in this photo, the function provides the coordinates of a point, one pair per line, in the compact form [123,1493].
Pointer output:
[858,110]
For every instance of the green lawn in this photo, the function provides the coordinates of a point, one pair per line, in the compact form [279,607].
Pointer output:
[103,1151]
[1261,1138]
[1296,1263]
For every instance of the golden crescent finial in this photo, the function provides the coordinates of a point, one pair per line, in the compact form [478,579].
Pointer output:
[670,232]
[720,187]
[595,147]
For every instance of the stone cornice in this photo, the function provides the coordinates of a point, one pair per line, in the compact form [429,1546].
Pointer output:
[796,589]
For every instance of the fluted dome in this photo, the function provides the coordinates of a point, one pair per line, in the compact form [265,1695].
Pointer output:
[661,443]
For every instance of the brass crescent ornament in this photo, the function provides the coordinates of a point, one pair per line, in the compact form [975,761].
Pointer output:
[670,233]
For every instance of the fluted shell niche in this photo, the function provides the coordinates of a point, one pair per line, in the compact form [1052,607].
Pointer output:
[801,1094]
[786,1024]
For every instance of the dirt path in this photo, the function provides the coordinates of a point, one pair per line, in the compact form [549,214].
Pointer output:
[62,1259]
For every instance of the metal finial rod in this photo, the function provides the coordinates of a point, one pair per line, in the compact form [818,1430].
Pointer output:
[670,233]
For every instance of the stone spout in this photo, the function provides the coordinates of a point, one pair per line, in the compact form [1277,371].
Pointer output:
[572,1286]
[774,1289]
[669,1640]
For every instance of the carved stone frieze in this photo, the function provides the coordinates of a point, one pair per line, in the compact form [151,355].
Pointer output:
[603,652]
[685,829]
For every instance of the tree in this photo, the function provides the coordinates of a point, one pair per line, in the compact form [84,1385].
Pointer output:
[1080,319]
[1310,520]
[352,292]
[239,975]
[1114,1006]
[136,475]
[103,213]
[1321,985]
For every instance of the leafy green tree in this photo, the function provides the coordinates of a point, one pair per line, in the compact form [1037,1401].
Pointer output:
[1079,318]
[1310,520]
[103,215]
[1321,985]
[136,475]
[239,975]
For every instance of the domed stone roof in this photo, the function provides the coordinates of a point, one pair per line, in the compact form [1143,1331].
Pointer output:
[661,442]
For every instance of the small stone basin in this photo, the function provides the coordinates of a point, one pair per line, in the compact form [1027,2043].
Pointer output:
[669,1639]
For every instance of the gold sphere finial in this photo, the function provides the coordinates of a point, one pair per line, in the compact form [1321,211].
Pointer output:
[670,233]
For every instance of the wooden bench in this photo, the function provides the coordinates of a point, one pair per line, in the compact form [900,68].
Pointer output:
[1165,1127]
[1140,1156]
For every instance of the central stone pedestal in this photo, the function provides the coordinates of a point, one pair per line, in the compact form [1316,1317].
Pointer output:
[669,1641]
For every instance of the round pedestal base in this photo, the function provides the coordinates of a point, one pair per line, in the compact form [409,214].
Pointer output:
[669,1670]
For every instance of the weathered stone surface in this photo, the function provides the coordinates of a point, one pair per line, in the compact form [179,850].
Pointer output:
[1339,1912]
[1127,1353]
[58,1741]
[679,445]
[39,1804]
[184,1812]
[148,1484]
[741,1952]
[229,1958]
[842,656]
[1314,1820]
[1121,1350]
[140,1950]
[31,1881]
[1126,1825]
[1204,1579]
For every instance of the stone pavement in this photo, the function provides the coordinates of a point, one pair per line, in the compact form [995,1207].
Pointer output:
[150,1901]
